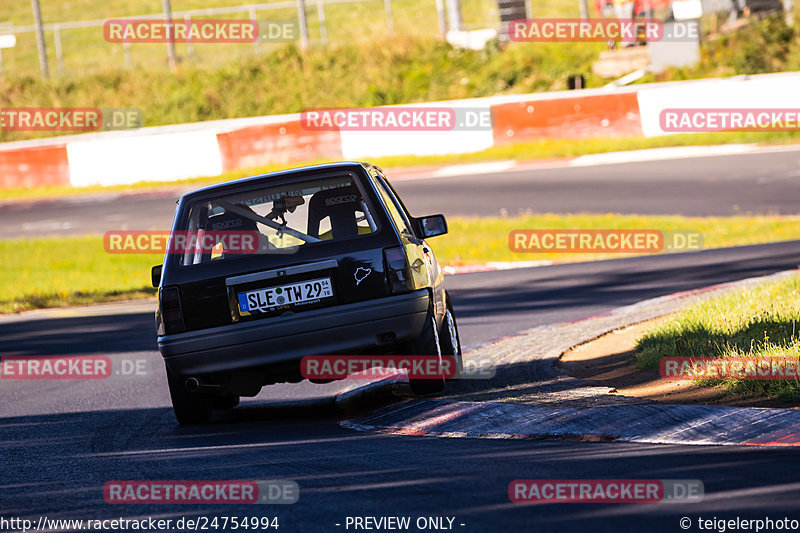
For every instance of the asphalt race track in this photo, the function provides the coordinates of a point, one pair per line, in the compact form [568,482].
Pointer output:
[62,440]
[758,183]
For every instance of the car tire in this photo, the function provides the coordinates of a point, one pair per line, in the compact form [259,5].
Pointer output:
[450,341]
[427,344]
[190,407]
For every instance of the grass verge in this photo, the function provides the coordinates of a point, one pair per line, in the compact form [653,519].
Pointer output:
[391,70]
[40,273]
[760,322]
[76,270]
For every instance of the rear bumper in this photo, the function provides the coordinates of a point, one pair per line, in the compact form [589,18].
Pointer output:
[346,328]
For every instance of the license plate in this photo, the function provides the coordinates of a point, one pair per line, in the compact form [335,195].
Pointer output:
[282,296]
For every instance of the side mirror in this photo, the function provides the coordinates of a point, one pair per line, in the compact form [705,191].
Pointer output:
[155,275]
[432,226]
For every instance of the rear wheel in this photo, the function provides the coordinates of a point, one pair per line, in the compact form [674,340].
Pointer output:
[190,407]
[427,344]
[450,341]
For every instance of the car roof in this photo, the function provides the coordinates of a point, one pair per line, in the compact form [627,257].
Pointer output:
[299,171]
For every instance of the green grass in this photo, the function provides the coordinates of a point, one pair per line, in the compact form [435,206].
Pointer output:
[85,50]
[366,67]
[42,273]
[389,70]
[478,240]
[759,322]
[369,68]
[765,45]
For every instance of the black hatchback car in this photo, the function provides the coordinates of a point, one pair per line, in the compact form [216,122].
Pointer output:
[337,266]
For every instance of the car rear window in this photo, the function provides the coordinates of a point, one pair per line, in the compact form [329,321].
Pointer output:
[282,217]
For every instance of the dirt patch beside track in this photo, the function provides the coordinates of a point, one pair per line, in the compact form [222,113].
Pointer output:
[608,361]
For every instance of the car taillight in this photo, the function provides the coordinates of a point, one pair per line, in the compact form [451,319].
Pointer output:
[397,270]
[171,314]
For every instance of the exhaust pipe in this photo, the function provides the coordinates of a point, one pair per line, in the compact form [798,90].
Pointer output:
[196,385]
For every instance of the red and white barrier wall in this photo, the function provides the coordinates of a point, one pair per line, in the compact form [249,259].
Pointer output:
[772,91]
[210,148]
[33,165]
